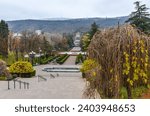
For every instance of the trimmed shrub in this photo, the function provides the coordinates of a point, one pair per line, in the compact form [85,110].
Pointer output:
[34,73]
[79,59]
[47,60]
[22,68]
[62,59]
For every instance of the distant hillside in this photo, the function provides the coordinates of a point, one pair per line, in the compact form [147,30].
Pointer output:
[63,26]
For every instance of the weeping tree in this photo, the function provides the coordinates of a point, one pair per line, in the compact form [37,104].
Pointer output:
[123,58]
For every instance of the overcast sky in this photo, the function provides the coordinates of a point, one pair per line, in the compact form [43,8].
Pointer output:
[41,9]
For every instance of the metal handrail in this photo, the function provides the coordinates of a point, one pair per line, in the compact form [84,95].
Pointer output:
[51,75]
[41,77]
[26,85]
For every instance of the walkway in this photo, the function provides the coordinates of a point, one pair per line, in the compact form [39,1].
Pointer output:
[63,86]
[70,61]
[66,86]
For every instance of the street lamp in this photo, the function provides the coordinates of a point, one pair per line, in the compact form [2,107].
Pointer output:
[32,55]
[40,51]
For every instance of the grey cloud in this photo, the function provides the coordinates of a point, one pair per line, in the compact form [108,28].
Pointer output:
[25,9]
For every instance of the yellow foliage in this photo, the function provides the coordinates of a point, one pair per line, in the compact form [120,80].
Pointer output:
[88,65]
[94,74]
[135,66]
[21,67]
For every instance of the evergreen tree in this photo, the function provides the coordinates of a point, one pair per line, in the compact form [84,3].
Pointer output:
[3,29]
[140,17]
[93,30]
[4,32]
[87,37]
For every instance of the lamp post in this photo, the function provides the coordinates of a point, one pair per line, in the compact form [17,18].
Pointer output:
[32,54]
[40,51]
[118,22]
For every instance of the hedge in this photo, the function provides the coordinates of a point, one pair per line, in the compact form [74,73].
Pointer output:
[62,59]
[79,59]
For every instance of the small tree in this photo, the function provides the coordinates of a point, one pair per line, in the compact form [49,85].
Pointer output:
[85,41]
[86,38]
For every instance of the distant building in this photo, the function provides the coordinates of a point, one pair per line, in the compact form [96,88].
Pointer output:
[39,32]
[77,39]
[78,35]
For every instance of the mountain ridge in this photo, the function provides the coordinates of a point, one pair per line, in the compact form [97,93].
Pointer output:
[63,26]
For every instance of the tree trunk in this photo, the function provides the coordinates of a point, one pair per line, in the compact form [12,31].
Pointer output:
[16,55]
[129,91]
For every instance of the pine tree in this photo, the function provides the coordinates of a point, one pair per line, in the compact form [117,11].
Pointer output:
[140,17]
[93,30]
[87,37]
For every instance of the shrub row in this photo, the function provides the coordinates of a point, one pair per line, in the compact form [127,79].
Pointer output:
[46,60]
[62,59]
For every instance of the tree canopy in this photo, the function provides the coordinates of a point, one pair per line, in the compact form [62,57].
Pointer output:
[93,30]
[3,29]
[140,17]
[87,37]
[4,32]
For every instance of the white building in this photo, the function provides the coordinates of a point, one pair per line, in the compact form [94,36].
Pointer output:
[39,32]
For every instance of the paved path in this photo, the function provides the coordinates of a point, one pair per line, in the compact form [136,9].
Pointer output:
[70,61]
[64,86]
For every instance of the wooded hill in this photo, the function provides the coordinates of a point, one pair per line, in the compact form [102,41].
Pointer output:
[64,26]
